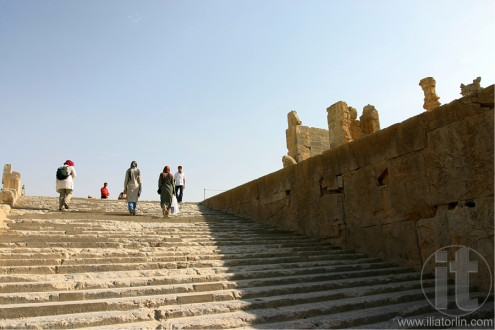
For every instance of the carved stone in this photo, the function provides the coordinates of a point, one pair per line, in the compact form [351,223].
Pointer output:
[431,98]
[288,161]
[471,88]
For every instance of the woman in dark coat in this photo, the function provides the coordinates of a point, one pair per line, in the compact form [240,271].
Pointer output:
[167,190]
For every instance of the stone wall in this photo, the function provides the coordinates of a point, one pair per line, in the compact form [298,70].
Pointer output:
[400,193]
[12,186]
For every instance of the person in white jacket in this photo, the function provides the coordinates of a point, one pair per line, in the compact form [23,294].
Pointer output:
[66,186]
[132,187]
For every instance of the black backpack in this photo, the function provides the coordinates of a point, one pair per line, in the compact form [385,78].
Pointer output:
[62,173]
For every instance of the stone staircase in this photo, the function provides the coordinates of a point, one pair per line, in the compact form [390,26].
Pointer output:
[96,266]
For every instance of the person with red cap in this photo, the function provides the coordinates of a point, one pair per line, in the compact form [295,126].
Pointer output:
[65,184]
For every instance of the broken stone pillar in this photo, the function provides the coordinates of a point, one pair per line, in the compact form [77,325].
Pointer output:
[370,121]
[471,88]
[12,186]
[293,136]
[431,98]
[339,124]
[355,125]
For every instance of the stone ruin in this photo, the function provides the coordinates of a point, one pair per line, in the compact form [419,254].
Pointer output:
[428,85]
[12,187]
[471,88]
[304,142]
[343,127]
[431,98]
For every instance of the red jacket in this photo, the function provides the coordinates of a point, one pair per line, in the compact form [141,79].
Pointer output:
[104,192]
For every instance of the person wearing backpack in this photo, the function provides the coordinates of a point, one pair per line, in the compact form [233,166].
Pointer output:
[132,187]
[66,175]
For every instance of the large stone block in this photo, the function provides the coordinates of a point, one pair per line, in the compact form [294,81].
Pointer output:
[339,160]
[408,188]
[366,202]
[275,190]
[307,192]
[396,242]
[468,223]
[439,117]
[8,196]
[376,147]
[411,135]
[459,160]
[246,200]
[331,218]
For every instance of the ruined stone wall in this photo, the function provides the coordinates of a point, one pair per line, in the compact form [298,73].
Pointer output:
[400,193]
[303,141]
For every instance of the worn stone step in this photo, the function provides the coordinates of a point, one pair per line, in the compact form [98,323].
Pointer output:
[240,272]
[277,300]
[298,316]
[178,277]
[155,302]
[122,319]
[177,262]
[258,286]
[26,260]
[362,317]
[483,318]
[111,304]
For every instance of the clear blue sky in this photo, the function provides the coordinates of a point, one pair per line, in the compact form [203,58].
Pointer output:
[208,84]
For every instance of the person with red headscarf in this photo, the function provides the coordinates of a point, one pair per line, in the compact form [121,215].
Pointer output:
[65,187]
[166,190]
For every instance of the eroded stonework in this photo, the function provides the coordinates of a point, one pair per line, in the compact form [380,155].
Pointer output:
[12,187]
[471,88]
[431,98]
[303,141]
[343,127]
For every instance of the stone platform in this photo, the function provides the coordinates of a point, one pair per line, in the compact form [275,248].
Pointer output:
[95,266]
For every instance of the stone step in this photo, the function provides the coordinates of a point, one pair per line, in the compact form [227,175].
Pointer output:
[179,276]
[141,317]
[26,260]
[483,317]
[362,317]
[293,284]
[240,272]
[323,314]
[180,262]
[308,304]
